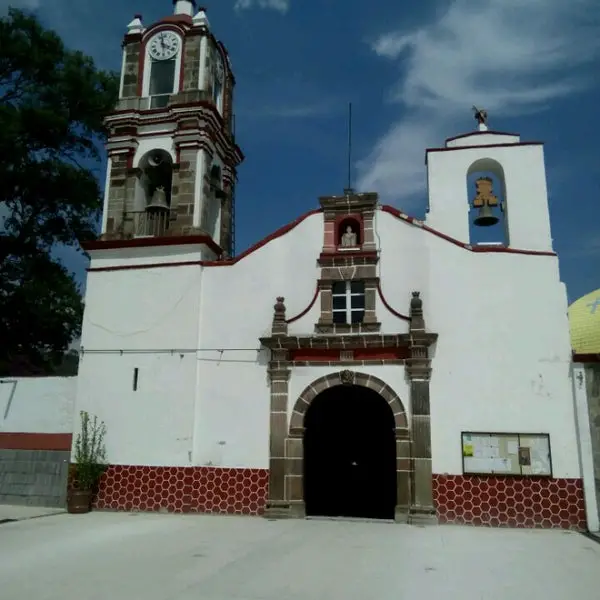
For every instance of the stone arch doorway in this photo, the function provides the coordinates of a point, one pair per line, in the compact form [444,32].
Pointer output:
[349,454]
[348,418]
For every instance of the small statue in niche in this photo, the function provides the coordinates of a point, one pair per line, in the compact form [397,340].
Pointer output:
[349,238]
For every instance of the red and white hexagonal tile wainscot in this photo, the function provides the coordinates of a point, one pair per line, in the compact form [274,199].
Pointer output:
[184,489]
[510,501]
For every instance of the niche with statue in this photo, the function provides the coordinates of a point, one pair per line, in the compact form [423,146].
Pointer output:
[348,234]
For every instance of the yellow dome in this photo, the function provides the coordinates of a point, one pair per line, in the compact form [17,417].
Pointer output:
[584,320]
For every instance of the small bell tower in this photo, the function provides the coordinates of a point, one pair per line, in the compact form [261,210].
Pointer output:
[486,180]
[172,155]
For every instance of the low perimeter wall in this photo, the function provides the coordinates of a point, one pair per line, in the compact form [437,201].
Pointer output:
[36,424]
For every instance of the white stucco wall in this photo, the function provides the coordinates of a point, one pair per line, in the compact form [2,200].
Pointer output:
[525,188]
[501,363]
[37,404]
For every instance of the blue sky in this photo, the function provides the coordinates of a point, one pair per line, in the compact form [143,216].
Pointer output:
[412,71]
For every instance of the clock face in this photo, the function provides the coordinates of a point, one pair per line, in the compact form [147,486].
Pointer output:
[164,45]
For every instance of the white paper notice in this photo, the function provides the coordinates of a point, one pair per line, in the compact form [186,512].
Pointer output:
[512,447]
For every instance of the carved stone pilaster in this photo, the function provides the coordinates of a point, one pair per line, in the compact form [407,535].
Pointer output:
[418,369]
[279,374]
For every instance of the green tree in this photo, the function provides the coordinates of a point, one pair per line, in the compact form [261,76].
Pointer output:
[53,101]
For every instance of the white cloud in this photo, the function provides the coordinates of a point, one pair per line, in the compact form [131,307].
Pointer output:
[511,57]
[279,5]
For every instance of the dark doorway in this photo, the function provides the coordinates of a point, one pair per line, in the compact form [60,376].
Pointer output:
[350,455]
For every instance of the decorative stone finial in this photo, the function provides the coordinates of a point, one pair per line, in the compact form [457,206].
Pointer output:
[416,303]
[280,307]
[136,25]
[279,326]
[481,117]
[201,20]
[417,323]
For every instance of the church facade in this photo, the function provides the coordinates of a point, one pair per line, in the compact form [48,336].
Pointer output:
[356,363]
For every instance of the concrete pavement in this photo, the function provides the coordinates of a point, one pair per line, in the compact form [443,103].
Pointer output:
[184,557]
[10,512]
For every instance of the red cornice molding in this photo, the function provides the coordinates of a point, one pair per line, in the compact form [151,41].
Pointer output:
[480,146]
[151,242]
[464,135]
[276,234]
[140,242]
[483,249]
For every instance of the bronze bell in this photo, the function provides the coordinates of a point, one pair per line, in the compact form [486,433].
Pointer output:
[159,201]
[486,217]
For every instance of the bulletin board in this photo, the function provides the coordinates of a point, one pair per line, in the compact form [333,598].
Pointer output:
[506,454]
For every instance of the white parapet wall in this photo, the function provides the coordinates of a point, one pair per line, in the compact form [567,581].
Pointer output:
[37,404]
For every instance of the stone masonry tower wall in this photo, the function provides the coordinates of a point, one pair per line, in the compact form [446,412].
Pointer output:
[173,159]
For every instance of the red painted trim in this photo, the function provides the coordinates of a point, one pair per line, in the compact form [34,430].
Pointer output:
[464,135]
[300,315]
[276,234]
[176,19]
[106,245]
[480,146]
[192,263]
[150,242]
[586,358]
[329,355]
[386,304]
[36,441]
[350,253]
[400,215]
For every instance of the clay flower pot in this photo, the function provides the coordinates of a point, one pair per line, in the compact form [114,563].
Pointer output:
[79,501]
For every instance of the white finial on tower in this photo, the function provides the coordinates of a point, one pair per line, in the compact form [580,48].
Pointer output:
[481,117]
[185,7]
[201,20]
[136,25]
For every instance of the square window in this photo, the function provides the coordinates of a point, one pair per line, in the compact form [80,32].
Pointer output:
[339,303]
[357,287]
[339,288]
[357,316]
[357,301]
[339,316]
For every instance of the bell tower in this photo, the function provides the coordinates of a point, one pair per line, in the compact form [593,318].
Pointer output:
[172,155]
[486,179]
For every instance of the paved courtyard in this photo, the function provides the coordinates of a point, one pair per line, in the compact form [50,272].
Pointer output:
[163,557]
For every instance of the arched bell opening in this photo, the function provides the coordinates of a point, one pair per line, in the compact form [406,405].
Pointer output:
[486,186]
[153,193]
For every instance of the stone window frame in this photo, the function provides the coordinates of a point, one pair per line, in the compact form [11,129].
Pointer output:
[348,294]
[352,271]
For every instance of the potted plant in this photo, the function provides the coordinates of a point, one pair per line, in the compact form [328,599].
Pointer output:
[89,463]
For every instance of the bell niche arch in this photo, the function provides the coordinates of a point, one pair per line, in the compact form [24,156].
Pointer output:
[488,221]
[371,390]
[153,190]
